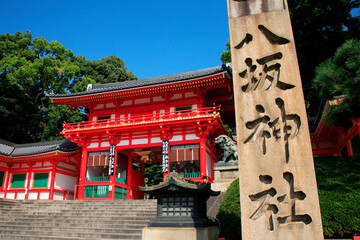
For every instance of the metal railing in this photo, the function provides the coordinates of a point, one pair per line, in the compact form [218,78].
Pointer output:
[145,119]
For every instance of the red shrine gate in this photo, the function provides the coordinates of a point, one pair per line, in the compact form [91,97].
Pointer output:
[131,122]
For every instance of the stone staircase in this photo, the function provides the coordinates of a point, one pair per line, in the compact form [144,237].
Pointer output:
[74,219]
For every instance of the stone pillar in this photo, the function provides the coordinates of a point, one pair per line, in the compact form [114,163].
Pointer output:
[278,191]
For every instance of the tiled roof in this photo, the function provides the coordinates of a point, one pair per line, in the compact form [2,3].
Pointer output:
[100,88]
[21,150]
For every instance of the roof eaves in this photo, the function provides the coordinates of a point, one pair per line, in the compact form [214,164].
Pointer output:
[109,87]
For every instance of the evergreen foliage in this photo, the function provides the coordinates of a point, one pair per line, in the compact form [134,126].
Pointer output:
[31,68]
[153,171]
[229,213]
[226,55]
[106,70]
[339,195]
[340,75]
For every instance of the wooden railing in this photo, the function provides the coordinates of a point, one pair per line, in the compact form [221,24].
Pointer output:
[144,119]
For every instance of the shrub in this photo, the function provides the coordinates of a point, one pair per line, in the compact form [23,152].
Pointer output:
[339,193]
[229,213]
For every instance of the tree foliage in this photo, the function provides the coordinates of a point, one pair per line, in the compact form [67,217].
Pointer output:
[31,68]
[319,28]
[153,171]
[340,75]
[106,70]
[226,55]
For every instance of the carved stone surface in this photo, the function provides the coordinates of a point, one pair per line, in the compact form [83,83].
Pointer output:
[278,191]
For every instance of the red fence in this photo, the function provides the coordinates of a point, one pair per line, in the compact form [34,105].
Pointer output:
[146,118]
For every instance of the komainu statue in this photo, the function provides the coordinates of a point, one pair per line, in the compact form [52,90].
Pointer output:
[227,146]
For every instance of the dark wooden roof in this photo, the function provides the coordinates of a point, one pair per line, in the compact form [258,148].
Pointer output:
[10,149]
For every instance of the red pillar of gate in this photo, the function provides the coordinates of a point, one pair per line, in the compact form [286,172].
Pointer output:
[52,183]
[202,157]
[27,189]
[129,176]
[82,173]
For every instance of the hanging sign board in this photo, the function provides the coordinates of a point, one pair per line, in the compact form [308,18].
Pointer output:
[165,156]
[111,159]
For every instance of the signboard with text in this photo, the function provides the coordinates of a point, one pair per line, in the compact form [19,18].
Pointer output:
[111,159]
[165,156]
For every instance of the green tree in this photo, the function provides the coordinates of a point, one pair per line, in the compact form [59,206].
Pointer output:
[340,75]
[106,70]
[153,171]
[226,55]
[30,68]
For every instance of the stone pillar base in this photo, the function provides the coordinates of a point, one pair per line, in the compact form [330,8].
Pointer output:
[206,233]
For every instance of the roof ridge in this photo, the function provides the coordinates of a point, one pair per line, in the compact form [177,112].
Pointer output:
[146,82]
[38,144]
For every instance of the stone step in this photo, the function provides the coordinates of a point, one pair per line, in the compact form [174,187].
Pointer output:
[51,218]
[145,213]
[84,208]
[86,223]
[44,228]
[45,237]
[75,219]
[36,237]
[53,232]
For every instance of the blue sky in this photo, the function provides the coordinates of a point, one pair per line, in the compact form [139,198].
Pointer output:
[154,38]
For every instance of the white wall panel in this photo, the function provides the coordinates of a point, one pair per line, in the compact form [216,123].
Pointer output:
[140,141]
[105,144]
[65,182]
[58,196]
[123,143]
[33,195]
[20,195]
[44,195]
[176,138]
[155,140]
[93,145]
[10,195]
[191,137]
